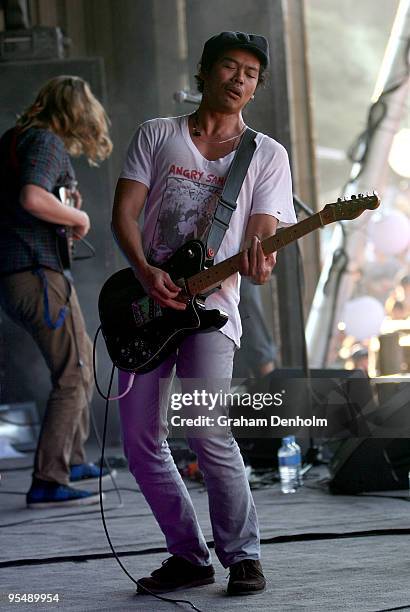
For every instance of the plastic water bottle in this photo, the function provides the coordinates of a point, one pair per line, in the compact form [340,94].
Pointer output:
[289,459]
[299,466]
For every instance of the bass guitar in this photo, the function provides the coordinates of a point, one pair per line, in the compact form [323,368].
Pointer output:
[140,334]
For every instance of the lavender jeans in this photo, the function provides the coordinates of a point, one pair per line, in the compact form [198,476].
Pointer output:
[144,424]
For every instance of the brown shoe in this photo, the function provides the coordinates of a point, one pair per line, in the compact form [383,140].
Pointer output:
[246,578]
[176,574]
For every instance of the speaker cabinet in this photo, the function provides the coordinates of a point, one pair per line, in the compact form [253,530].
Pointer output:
[374,464]
[340,395]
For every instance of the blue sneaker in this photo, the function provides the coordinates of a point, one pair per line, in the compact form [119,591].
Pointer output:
[44,494]
[88,472]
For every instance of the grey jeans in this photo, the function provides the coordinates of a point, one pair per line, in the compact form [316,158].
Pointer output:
[144,424]
[65,426]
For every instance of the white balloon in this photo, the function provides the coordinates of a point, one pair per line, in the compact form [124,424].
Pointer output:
[399,156]
[363,317]
[390,234]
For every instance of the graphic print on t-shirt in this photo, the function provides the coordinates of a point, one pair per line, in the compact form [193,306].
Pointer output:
[186,213]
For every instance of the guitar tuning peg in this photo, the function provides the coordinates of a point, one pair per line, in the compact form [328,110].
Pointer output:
[359,195]
[339,199]
[353,197]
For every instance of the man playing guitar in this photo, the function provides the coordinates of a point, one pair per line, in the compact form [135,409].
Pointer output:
[174,172]
[64,119]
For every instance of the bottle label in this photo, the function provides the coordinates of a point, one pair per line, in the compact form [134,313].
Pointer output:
[292,460]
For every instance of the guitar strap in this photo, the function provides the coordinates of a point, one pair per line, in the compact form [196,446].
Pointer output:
[227,200]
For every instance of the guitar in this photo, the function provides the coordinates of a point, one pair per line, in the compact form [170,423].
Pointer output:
[140,334]
[64,234]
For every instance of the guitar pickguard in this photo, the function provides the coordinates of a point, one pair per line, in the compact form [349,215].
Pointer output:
[144,310]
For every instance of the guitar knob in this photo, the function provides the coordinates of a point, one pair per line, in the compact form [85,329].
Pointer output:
[190,253]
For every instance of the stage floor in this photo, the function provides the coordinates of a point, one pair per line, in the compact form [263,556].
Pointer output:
[319,551]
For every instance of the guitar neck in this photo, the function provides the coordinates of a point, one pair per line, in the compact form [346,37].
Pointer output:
[212,277]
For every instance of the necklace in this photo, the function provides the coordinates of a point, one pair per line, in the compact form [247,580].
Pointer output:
[197,132]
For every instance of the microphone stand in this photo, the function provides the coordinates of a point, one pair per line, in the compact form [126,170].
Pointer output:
[311,458]
[302,206]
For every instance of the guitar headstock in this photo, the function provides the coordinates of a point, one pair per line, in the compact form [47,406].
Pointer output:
[345,209]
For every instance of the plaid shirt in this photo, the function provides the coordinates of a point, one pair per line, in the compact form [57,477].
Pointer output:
[38,158]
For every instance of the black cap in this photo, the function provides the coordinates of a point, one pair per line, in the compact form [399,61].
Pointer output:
[235,40]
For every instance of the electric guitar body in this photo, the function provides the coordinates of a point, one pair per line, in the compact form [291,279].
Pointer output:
[138,332]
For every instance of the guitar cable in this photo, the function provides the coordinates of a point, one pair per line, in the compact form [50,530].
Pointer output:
[124,569]
[89,246]
[97,386]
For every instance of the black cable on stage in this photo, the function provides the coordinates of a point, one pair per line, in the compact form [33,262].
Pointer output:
[406,607]
[284,539]
[405,498]
[97,386]
[122,566]
[80,558]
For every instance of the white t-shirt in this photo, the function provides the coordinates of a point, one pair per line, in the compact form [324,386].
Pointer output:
[183,191]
